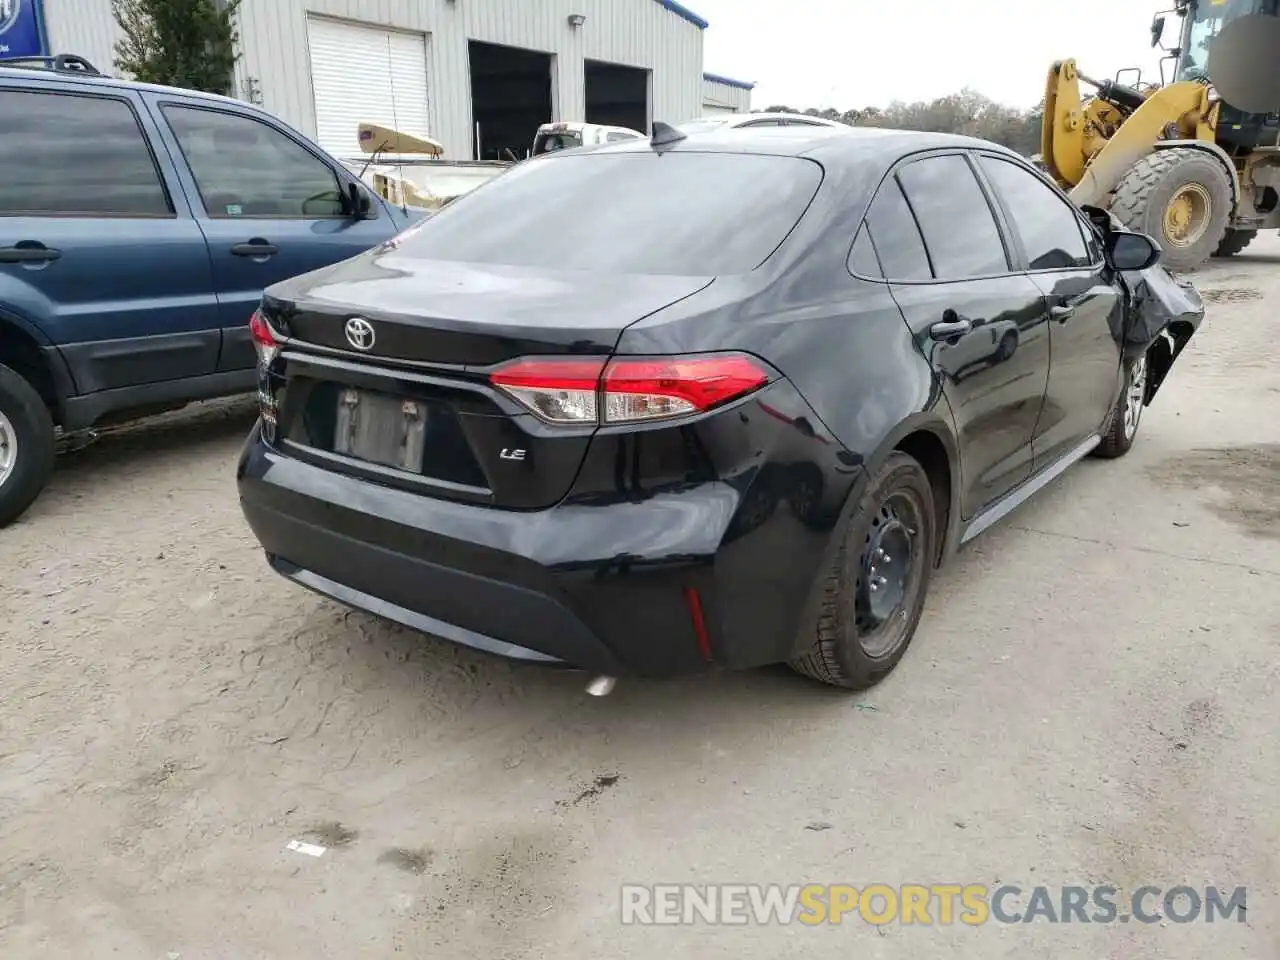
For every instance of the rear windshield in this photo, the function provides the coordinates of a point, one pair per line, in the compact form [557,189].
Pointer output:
[546,142]
[678,214]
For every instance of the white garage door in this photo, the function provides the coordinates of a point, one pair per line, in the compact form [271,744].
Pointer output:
[366,75]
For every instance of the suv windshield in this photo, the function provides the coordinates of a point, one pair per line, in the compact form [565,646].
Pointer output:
[679,214]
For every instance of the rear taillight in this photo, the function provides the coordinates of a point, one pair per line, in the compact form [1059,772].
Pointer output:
[591,390]
[267,348]
[263,340]
[558,391]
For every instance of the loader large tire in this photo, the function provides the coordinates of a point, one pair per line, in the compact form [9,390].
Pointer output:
[1234,242]
[1181,197]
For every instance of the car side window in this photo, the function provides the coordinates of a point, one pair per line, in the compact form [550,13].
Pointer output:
[618,137]
[892,230]
[68,155]
[863,260]
[761,123]
[1049,228]
[959,228]
[246,168]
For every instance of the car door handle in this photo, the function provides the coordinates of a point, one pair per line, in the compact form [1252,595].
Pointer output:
[1062,313]
[28,254]
[948,329]
[255,248]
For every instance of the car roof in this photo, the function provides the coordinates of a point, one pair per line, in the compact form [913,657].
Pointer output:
[855,146]
[109,83]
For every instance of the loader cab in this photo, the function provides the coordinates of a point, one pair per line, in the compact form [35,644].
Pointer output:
[1202,20]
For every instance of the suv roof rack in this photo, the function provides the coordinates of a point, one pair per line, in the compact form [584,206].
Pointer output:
[62,63]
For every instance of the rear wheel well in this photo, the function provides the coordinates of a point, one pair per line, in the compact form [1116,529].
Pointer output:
[930,452]
[20,353]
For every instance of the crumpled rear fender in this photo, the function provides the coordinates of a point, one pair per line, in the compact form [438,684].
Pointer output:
[1162,312]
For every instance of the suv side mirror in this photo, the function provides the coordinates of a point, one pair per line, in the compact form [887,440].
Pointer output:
[1131,251]
[358,202]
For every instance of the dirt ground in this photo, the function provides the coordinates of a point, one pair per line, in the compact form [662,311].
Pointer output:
[1092,699]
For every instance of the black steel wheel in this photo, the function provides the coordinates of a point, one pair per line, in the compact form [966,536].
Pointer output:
[874,594]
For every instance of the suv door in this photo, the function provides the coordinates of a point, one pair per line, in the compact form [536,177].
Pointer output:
[271,206]
[1065,260]
[87,212]
[978,320]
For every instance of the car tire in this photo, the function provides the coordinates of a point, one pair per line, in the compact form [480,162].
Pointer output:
[26,445]
[872,601]
[1148,193]
[1126,416]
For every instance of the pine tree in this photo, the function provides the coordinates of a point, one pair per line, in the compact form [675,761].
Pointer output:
[180,43]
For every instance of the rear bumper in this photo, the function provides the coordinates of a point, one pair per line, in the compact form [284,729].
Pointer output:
[528,586]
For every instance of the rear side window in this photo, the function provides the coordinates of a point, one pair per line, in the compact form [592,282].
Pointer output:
[895,236]
[1050,230]
[68,155]
[246,168]
[862,260]
[679,214]
[959,229]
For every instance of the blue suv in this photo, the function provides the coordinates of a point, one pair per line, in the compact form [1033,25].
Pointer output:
[139,225]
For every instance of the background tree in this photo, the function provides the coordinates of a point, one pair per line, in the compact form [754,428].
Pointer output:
[181,43]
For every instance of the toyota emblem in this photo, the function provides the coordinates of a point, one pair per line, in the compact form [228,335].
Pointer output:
[360,333]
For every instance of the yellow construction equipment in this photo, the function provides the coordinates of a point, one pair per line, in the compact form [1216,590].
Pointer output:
[1181,161]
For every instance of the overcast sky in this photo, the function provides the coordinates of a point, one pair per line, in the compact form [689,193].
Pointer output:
[856,53]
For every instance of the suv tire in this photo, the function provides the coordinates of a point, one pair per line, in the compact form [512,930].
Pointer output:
[26,445]
[872,599]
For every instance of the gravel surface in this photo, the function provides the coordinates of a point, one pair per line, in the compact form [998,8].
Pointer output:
[1092,699]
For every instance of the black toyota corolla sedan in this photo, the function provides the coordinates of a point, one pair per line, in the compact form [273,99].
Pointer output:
[699,402]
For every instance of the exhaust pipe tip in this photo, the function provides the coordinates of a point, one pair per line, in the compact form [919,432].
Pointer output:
[602,686]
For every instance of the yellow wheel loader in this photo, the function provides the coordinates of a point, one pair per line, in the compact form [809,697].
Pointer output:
[1194,162]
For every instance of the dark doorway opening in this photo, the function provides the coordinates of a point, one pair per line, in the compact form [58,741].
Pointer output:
[618,96]
[510,99]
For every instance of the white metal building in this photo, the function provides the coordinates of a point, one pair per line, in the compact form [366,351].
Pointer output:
[724,95]
[477,75]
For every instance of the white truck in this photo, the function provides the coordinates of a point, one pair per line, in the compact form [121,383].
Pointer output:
[565,134]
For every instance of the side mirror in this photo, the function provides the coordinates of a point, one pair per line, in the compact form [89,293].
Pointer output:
[1157,31]
[358,202]
[1131,251]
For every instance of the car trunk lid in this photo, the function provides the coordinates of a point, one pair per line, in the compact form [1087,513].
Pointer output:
[384,364]
[471,315]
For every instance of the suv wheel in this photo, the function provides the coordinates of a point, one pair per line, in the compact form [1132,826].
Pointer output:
[1122,427]
[26,445]
[874,593]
